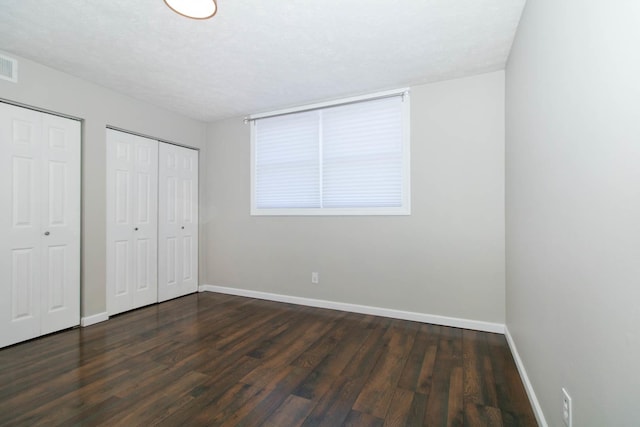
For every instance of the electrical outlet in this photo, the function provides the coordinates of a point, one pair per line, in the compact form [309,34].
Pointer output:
[566,408]
[315,278]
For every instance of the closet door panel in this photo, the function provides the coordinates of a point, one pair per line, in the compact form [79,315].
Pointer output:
[189,226]
[145,208]
[120,173]
[169,242]
[60,217]
[178,222]
[20,131]
[132,168]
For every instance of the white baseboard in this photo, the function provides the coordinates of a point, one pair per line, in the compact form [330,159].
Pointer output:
[362,309]
[92,320]
[537,409]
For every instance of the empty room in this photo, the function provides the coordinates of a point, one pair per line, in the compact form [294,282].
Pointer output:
[339,213]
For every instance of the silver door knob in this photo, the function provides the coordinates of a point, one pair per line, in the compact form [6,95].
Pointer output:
[136,228]
[183,227]
[46,233]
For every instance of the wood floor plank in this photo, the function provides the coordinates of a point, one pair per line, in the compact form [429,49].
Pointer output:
[225,405]
[312,357]
[436,412]
[156,404]
[477,415]
[315,385]
[212,359]
[417,410]
[360,419]
[455,415]
[410,374]
[153,412]
[292,412]
[209,393]
[260,407]
[302,336]
[399,408]
[339,357]
[479,381]
[369,352]
[380,386]
[334,407]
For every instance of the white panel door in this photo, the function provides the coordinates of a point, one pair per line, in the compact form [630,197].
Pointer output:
[178,222]
[39,222]
[145,217]
[132,206]
[20,134]
[60,223]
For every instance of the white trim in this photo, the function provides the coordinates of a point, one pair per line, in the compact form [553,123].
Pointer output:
[252,165]
[406,153]
[363,309]
[318,105]
[332,211]
[92,320]
[537,409]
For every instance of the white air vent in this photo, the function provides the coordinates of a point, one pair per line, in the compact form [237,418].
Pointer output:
[8,69]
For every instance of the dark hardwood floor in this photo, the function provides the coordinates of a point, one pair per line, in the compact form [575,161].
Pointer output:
[210,359]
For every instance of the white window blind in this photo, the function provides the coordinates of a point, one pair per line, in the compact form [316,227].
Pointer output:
[343,159]
[288,162]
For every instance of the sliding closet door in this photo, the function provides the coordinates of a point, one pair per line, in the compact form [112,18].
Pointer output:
[39,222]
[132,221]
[178,222]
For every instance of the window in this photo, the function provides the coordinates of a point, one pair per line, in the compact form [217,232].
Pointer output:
[345,158]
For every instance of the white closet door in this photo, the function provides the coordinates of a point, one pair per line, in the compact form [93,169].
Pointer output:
[132,206]
[178,222]
[39,222]
[60,222]
[21,131]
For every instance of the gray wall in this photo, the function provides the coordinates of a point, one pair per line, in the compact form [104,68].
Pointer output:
[447,258]
[45,88]
[573,206]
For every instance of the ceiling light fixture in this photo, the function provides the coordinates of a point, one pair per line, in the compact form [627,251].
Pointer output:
[196,9]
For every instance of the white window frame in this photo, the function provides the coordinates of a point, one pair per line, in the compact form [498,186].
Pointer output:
[405,209]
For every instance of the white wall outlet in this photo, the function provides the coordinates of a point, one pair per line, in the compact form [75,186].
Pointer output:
[315,278]
[566,408]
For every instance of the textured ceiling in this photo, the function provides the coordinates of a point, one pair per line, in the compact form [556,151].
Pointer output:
[258,55]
